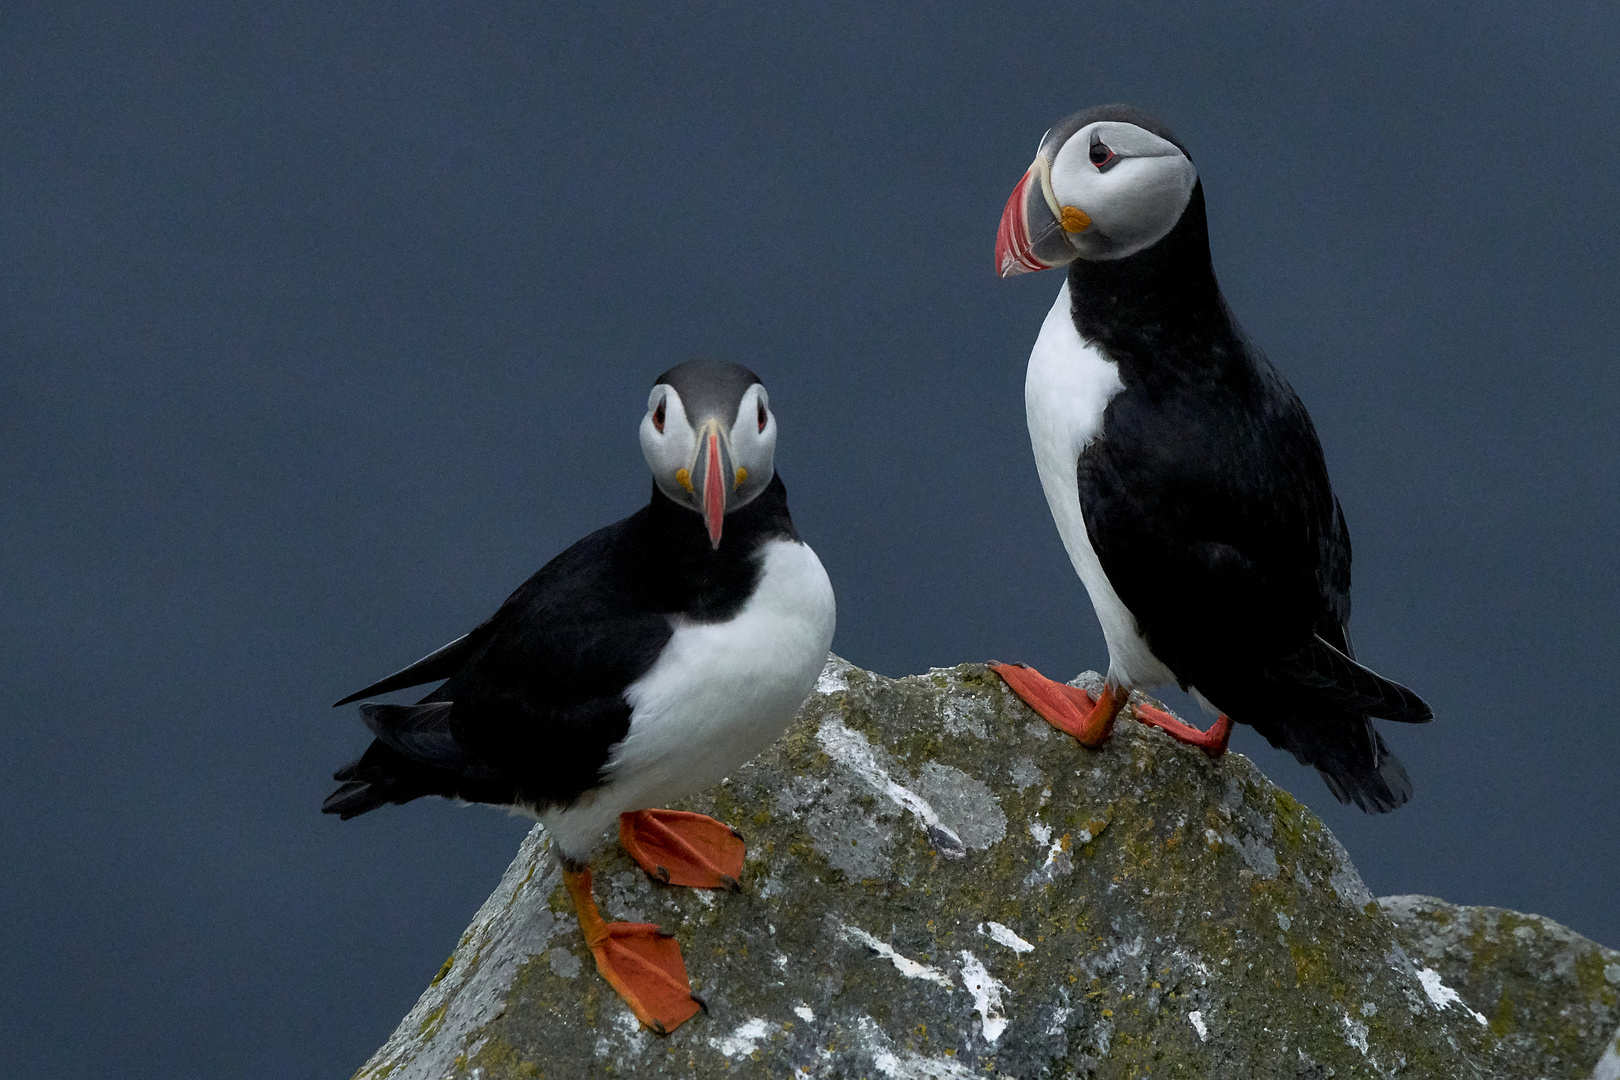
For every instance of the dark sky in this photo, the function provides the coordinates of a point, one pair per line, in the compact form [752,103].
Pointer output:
[323,326]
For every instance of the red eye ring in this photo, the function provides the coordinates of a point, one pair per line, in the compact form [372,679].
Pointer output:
[763,416]
[1102,156]
[658,416]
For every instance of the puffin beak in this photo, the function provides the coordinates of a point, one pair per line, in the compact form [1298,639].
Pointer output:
[714,454]
[1030,236]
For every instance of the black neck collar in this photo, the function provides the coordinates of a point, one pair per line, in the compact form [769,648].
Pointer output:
[679,571]
[1171,284]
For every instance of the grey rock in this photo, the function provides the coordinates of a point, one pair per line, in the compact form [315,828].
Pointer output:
[1550,996]
[1608,1066]
[939,886]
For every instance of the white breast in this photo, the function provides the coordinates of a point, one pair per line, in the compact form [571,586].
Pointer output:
[719,694]
[1067,387]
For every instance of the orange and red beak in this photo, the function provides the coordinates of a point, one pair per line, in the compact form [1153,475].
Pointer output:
[1031,236]
[714,475]
[714,490]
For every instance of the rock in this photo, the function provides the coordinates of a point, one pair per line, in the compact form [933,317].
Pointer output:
[1608,1066]
[1549,994]
[939,885]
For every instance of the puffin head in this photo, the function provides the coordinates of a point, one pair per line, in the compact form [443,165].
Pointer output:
[1106,183]
[709,438]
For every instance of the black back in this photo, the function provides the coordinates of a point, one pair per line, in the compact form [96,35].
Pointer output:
[536,693]
[1206,498]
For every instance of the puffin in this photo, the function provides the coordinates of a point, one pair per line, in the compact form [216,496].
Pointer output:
[643,664]
[1183,472]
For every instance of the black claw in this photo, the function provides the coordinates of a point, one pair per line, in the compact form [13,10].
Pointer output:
[663,874]
[659,1028]
[664,933]
[731,883]
[704,1005]
[735,833]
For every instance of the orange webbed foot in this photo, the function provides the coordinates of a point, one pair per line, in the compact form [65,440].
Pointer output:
[641,962]
[1067,708]
[645,966]
[678,847]
[1212,742]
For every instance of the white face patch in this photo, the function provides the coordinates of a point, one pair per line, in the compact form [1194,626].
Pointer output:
[671,441]
[753,444]
[668,442]
[1130,183]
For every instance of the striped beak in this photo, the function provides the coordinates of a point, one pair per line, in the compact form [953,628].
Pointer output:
[713,472]
[1031,236]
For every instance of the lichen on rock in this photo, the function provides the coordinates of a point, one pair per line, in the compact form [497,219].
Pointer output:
[1549,995]
[939,886]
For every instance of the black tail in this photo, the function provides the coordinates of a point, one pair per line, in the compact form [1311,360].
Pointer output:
[381,776]
[414,754]
[1318,704]
[1350,755]
[1379,790]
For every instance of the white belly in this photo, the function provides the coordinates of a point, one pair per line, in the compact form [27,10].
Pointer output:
[1067,387]
[719,694]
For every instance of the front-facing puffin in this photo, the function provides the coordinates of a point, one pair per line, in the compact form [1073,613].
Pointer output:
[641,665]
[1183,472]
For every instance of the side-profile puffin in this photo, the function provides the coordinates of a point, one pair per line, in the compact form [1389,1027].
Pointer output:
[641,665]
[1183,472]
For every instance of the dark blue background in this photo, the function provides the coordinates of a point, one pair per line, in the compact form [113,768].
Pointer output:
[322,327]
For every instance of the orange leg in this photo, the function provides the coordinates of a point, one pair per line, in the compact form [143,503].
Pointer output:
[1212,742]
[641,962]
[682,848]
[1067,708]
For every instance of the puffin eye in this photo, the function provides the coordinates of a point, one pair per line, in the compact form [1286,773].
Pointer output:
[762,416]
[658,416]
[1102,157]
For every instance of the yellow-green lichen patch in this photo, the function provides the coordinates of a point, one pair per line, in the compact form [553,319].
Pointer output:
[1589,965]
[498,1058]
[430,1023]
[535,865]
[1501,1022]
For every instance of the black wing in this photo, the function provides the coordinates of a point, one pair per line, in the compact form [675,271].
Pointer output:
[1211,513]
[436,666]
[1336,681]
[532,700]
